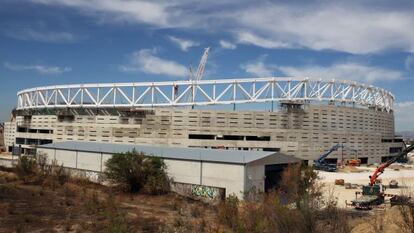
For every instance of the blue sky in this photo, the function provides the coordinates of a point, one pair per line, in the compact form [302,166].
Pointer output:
[46,42]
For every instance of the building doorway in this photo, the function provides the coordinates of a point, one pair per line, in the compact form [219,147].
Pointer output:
[273,176]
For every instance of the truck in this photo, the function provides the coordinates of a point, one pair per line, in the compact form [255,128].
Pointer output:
[374,194]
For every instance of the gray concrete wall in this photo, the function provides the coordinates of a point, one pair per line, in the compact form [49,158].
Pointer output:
[255,177]
[184,171]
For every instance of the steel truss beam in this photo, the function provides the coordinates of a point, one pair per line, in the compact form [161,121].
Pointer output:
[204,92]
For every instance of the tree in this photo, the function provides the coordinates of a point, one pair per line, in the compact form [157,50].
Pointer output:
[138,172]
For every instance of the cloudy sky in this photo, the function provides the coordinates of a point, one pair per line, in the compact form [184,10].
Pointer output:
[47,42]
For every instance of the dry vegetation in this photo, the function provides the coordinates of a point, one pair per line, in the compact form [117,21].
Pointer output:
[40,198]
[48,200]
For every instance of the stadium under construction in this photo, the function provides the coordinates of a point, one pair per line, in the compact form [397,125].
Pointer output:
[312,116]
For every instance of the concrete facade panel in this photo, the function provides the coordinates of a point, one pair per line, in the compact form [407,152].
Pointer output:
[67,158]
[229,176]
[49,153]
[255,177]
[183,171]
[89,161]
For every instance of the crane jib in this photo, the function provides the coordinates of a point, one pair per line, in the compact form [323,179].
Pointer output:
[382,167]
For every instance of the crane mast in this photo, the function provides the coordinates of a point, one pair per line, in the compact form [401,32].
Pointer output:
[202,65]
[198,75]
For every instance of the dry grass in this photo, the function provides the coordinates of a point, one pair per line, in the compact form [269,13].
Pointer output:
[81,206]
[78,205]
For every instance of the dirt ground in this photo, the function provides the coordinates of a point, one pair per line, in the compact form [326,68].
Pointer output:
[404,175]
[385,219]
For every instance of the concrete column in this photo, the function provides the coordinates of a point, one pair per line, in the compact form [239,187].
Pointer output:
[101,160]
[201,172]
[76,163]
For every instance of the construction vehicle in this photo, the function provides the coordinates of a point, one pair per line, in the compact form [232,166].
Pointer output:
[353,162]
[349,162]
[321,164]
[373,193]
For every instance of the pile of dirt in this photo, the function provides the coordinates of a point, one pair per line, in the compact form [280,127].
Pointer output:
[350,169]
[397,167]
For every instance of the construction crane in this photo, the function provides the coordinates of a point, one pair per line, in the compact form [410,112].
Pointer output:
[373,178]
[373,193]
[201,65]
[198,75]
[321,164]
[195,77]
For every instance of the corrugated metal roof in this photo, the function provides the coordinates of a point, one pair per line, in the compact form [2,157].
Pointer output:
[198,154]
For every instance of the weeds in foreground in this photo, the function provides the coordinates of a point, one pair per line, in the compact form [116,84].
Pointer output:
[271,212]
[26,167]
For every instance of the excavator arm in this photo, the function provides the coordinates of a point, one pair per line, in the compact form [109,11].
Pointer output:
[373,178]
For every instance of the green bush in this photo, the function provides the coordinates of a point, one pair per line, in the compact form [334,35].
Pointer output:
[138,172]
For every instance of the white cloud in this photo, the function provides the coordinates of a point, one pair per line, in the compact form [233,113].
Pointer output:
[351,26]
[330,25]
[403,112]
[40,35]
[145,61]
[153,13]
[341,70]
[227,45]
[250,38]
[347,70]
[409,62]
[183,44]
[42,69]
[258,67]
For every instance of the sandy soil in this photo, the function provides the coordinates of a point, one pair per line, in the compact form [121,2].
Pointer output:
[404,176]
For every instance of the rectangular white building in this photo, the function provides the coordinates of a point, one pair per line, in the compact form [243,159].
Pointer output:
[194,169]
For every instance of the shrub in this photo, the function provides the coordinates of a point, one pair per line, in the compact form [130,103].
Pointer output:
[41,159]
[61,174]
[54,175]
[138,172]
[297,206]
[157,184]
[299,185]
[26,166]
[229,212]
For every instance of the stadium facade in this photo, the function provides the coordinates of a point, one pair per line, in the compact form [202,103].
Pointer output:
[313,115]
